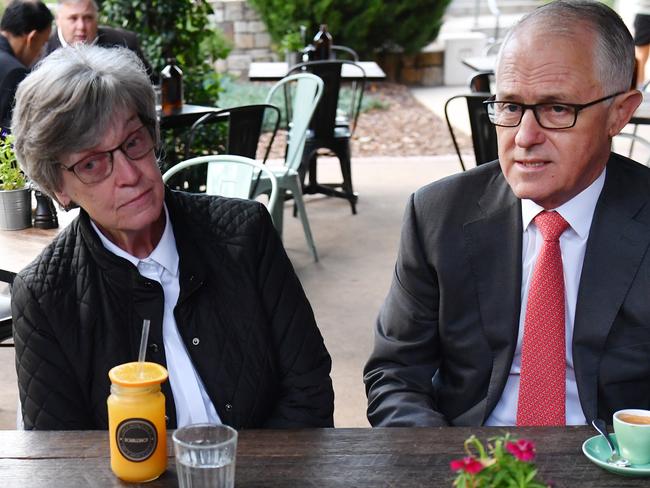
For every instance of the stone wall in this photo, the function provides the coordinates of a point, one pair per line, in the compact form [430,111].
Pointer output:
[244,27]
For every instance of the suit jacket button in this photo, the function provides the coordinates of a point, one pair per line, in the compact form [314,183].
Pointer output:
[196,341]
[153,348]
[228,407]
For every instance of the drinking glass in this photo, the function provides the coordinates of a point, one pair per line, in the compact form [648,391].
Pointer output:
[205,455]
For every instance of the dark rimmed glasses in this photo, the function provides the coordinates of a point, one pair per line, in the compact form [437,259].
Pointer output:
[548,115]
[99,166]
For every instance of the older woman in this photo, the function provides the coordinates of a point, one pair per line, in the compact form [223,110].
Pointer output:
[229,318]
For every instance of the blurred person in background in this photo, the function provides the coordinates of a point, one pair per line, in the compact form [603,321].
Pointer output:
[24,30]
[77,23]
[641,39]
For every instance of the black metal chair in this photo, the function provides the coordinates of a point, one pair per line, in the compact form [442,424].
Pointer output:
[331,128]
[479,82]
[234,130]
[5,321]
[343,52]
[484,135]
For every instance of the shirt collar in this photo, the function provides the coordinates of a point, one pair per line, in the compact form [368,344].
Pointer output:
[578,212]
[64,42]
[165,252]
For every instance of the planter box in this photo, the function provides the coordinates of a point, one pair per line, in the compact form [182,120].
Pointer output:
[15,209]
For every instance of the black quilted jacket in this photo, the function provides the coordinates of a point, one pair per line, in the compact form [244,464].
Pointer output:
[242,313]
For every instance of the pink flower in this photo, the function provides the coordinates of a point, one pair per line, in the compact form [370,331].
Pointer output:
[468,464]
[522,449]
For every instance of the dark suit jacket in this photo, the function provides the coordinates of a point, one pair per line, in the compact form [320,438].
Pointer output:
[110,37]
[447,332]
[12,72]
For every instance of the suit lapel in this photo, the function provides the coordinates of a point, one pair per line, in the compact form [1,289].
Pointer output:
[494,245]
[617,242]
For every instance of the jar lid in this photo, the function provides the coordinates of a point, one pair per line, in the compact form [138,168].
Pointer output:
[138,374]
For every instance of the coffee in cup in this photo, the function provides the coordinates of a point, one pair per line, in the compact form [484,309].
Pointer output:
[632,428]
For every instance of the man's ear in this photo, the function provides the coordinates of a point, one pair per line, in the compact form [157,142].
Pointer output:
[622,110]
[30,37]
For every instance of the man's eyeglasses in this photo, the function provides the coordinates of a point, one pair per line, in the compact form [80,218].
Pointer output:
[99,166]
[548,115]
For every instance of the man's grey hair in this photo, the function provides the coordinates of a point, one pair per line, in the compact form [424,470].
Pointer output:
[614,46]
[68,101]
[92,2]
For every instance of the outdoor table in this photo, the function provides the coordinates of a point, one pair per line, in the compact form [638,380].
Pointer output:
[185,117]
[20,247]
[408,457]
[480,63]
[275,71]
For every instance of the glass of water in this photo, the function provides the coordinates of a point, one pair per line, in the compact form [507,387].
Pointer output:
[205,455]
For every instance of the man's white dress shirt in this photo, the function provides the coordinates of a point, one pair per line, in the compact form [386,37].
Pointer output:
[578,212]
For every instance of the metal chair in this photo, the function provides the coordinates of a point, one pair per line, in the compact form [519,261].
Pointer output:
[336,51]
[5,321]
[245,124]
[230,176]
[635,140]
[302,93]
[484,135]
[326,132]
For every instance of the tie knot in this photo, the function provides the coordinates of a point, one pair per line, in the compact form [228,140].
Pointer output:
[551,225]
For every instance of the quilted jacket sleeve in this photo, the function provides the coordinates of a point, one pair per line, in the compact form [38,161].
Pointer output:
[307,397]
[40,363]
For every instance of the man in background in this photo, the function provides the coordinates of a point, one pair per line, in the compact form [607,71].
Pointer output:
[24,29]
[76,22]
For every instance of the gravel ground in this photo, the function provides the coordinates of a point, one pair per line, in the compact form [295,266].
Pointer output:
[404,128]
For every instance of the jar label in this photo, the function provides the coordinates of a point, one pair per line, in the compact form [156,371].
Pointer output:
[137,439]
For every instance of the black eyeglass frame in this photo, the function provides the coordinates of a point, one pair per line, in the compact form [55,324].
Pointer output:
[577,107]
[110,152]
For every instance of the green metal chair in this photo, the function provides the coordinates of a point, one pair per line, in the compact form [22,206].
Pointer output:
[231,176]
[302,93]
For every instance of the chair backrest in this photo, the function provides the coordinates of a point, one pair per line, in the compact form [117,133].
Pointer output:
[302,92]
[480,82]
[642,145]
[5,320]
[245,125]
[324,120]
[484,135]
[343,52]
[230,176]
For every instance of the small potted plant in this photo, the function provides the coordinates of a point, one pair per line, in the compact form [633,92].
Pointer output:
[291,45]
[15,195]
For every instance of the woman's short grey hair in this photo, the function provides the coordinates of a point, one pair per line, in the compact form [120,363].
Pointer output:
[614,46]
[68,101]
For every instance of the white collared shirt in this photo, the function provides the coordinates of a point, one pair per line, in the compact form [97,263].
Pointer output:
[578,212]
[193,405]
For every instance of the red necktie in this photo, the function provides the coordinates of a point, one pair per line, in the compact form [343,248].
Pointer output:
[542,386]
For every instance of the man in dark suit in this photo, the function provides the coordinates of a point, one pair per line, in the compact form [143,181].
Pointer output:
[476,330]
[76,22]
[24,29]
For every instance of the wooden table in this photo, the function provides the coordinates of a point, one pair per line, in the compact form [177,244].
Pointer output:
[20,247]
[278,70]
[185,117]
[315,457]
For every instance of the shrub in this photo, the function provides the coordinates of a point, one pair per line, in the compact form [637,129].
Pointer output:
[179,28]
[368,26]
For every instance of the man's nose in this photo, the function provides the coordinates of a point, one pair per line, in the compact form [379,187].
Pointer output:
[529,131]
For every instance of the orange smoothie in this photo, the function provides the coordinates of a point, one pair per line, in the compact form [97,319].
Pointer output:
[136,422]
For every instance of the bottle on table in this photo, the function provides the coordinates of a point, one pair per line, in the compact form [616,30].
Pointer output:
[136,421]
[171,87]
[322,43]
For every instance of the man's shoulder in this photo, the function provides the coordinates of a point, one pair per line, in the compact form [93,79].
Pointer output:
[115,36]
[468,185]
[9,64]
